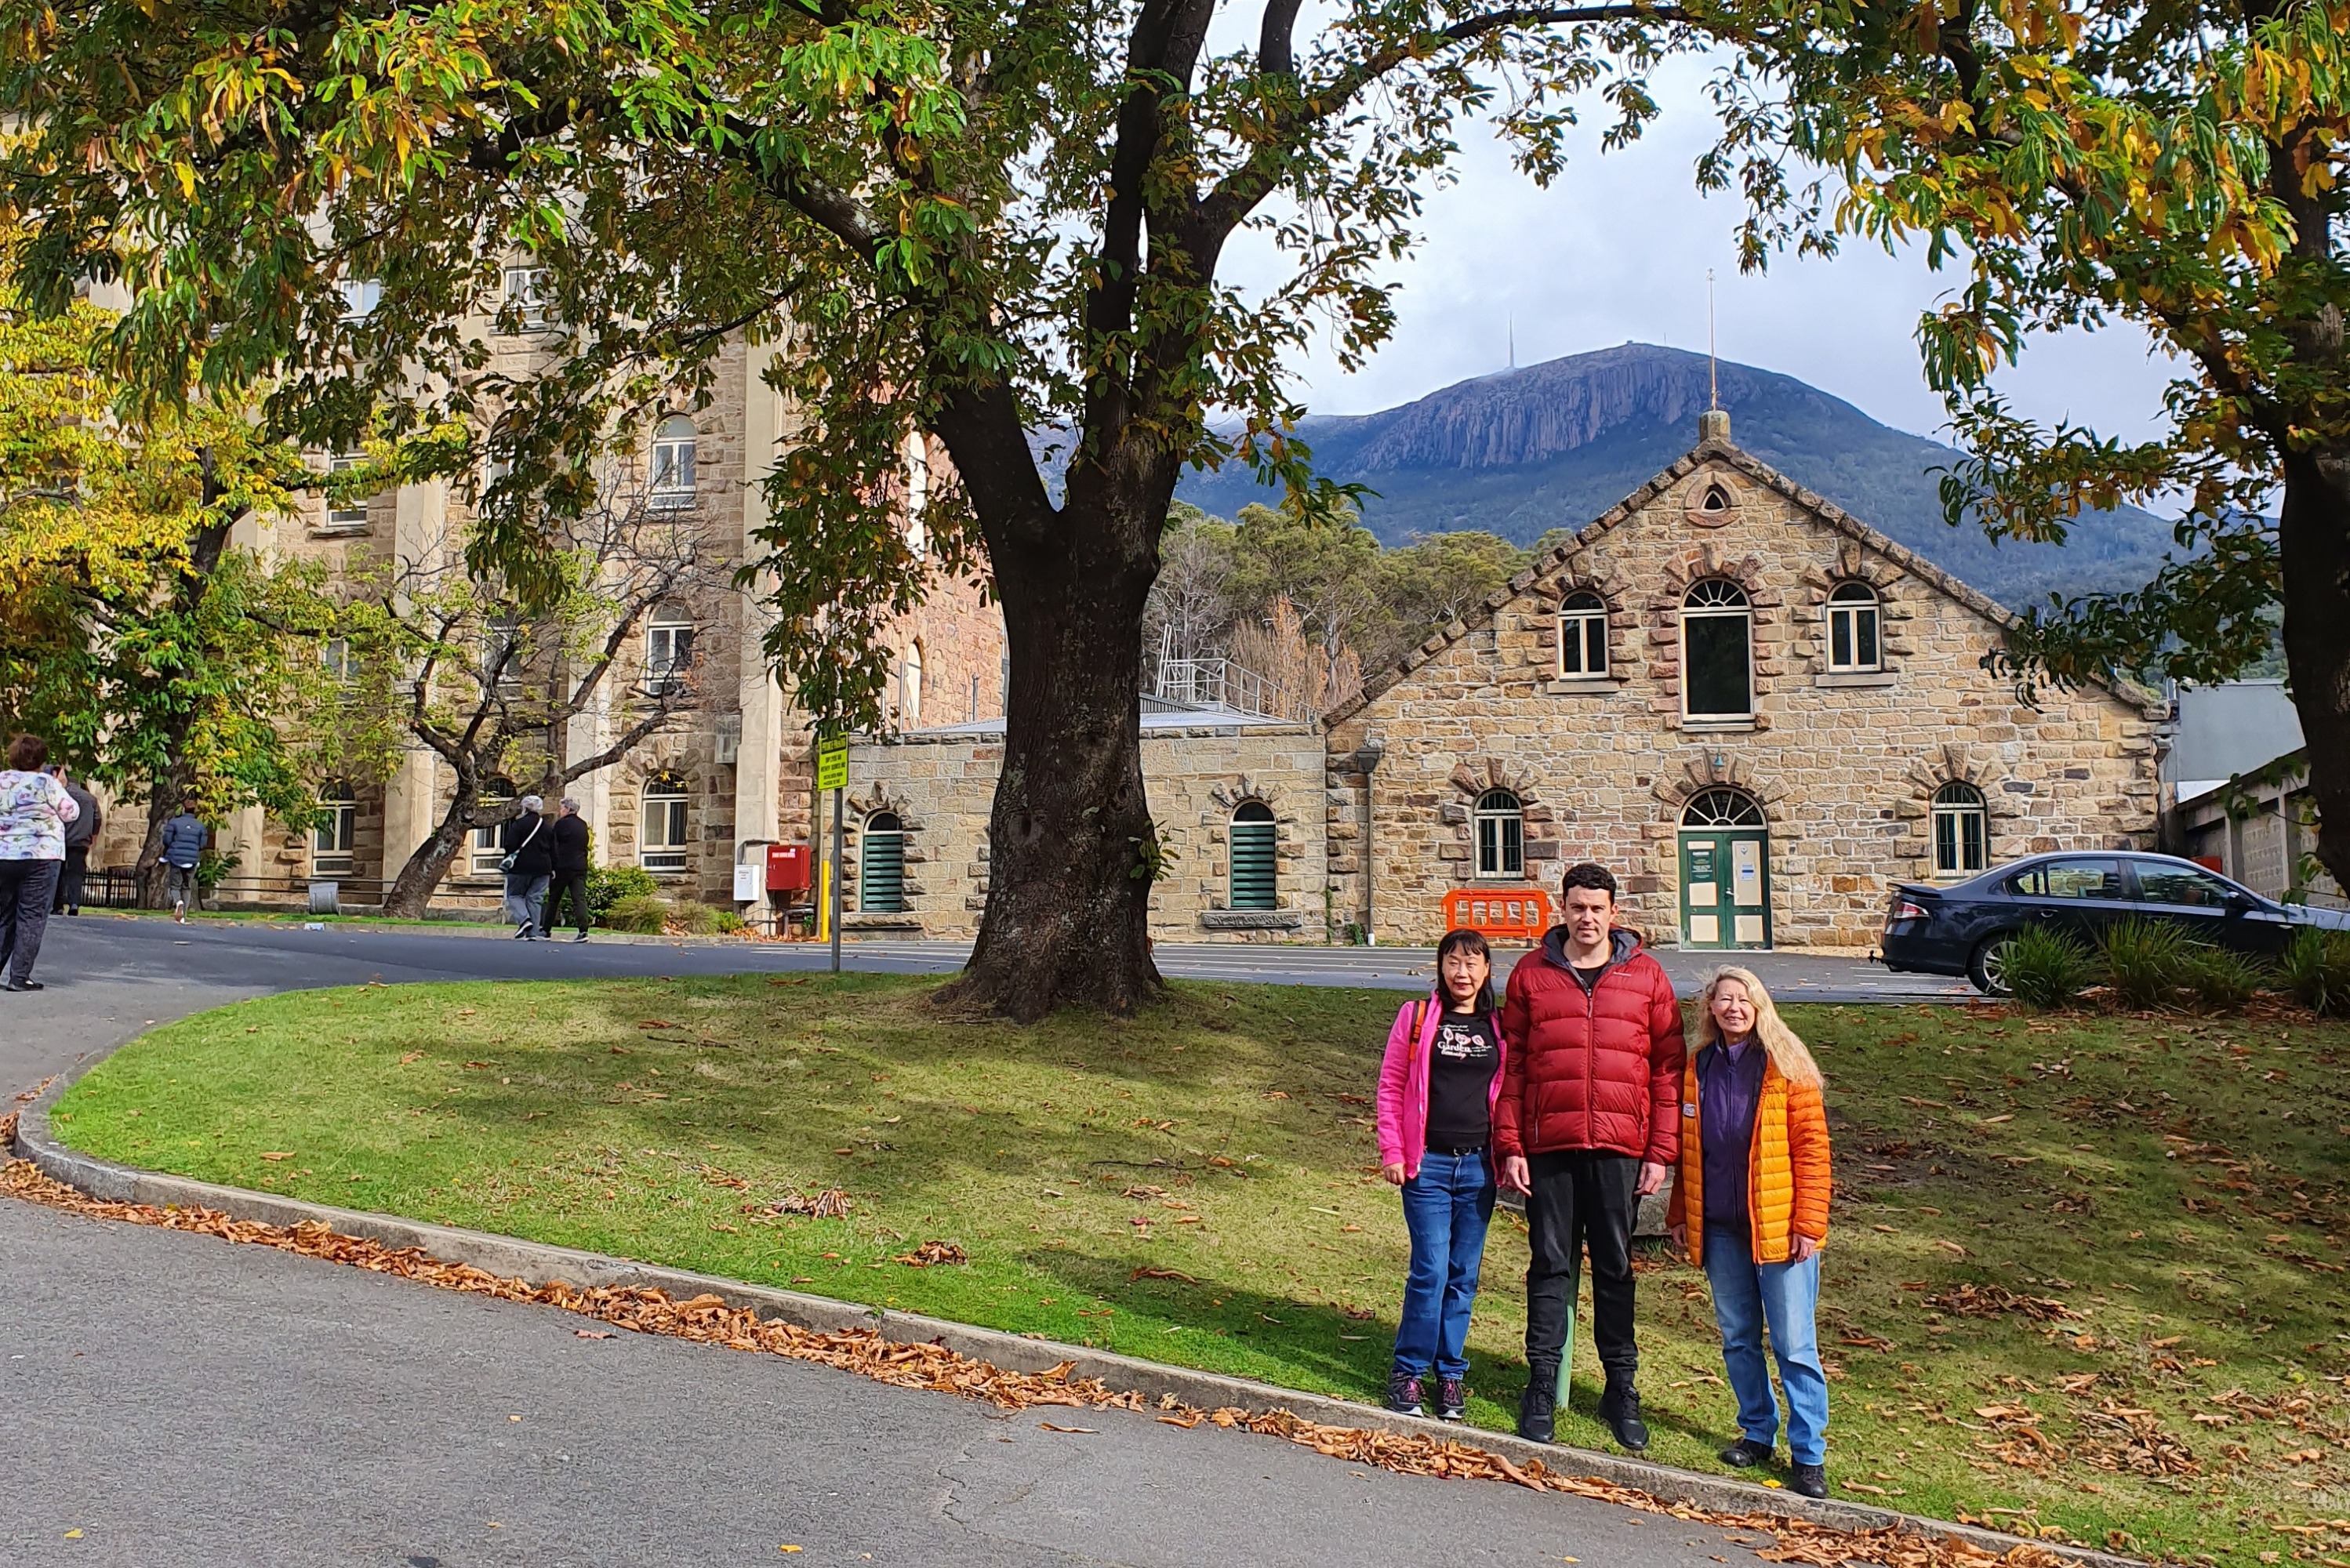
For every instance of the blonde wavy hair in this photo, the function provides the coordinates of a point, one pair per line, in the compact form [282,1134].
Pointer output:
[1785,1048]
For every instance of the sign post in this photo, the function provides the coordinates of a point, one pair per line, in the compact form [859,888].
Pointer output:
[832,774]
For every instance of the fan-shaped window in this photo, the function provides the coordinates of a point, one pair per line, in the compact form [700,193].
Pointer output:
[1961,831]
[485,852]
[881,876]
[1256,861]
[661,840]
[1501,823]
[336,831]
[1717,651]
[1583,634]
[910,686]
[673,448]
[1721,809]
[668,648]
[1853,616]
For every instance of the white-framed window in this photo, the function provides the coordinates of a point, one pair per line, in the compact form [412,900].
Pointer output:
[336,657]
[360,297]
[668,648]
[1583,634]
[485,852]
[1717,651]
[1961,831]
[1499,820]
[529,296]
[661,842]
[337,830]
[917,495]
[503,654]
[1855,621]
[673,453]
[352,513]
[910,686]
[881,865]
[1255,858]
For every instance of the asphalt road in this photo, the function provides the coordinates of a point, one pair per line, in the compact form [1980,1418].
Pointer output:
[173,1399]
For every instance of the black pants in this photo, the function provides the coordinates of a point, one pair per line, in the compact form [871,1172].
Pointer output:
[69,884]
[25,888]
[571,885]
[1581,1199]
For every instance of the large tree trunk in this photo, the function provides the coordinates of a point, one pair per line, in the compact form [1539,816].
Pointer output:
[412,889]
[2313,539]
[1071,845]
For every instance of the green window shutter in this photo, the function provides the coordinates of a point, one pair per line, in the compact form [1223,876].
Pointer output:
[1254,862]
[881,883]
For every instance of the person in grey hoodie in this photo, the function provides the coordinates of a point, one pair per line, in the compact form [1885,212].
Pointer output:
[80,832]
[184,837]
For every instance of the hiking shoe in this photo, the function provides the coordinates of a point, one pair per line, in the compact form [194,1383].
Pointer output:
[1403,1393]
[1809,1481]
[1538,1408]
[1620,1408]
[1452,1399]
[1745,1454]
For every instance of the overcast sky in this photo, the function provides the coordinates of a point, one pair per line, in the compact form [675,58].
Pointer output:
[1617,251]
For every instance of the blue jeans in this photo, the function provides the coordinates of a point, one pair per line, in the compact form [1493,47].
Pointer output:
[1446,1207]
[1746,1296]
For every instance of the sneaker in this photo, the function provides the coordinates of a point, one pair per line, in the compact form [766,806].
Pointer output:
[1809,1481]
[1745,1454]
[1537,1407]
[1403,1393]
[22,985]
[580,938]
[1452,1399]
[1620,1408]
[522,933]
[180,914]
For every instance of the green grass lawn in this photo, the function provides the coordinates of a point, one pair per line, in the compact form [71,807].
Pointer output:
[1199,1185]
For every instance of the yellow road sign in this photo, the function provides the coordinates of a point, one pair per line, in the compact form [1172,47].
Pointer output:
[832,764]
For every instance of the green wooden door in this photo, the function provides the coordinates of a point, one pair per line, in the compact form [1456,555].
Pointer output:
[1725,866]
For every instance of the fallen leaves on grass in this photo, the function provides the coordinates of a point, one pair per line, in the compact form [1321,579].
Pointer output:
[708,1319]
[2118,1437]
[276,1154]
[931,1252]
[1161,1274]
[832,1203]
[1997,1300]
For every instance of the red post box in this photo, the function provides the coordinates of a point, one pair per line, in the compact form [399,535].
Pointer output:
[787,868]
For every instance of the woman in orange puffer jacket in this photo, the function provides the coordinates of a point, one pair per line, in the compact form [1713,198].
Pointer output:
[1752,1209]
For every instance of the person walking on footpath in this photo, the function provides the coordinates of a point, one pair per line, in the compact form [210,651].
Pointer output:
[1751,1210]
[529,865]
[570,860]
[184,837]
[1584,1126]
[35,812]
[1437,1087]
[80,832]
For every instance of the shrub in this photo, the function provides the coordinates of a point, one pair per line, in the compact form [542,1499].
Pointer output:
[2146,961]
[608,884]
[644,914]
[2222,979]
[2316,968]
[690,915]
[2045,969]
[727,923]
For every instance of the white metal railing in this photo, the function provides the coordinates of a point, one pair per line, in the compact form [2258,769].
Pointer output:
[1221,683]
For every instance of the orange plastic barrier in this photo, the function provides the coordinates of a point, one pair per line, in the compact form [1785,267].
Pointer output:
[1520,913]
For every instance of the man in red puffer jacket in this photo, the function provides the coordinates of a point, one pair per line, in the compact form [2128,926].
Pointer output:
[1586,1126]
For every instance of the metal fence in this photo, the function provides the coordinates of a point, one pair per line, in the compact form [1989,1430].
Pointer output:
[1221,683]
[116,887]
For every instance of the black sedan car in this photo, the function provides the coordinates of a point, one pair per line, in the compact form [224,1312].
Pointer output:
[1961,928]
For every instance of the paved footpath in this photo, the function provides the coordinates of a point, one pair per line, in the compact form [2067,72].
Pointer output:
[176,1399]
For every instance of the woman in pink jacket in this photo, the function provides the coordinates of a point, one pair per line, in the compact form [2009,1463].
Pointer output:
[1437,1087]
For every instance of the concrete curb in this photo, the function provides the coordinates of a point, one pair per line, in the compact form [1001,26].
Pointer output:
[538,1263]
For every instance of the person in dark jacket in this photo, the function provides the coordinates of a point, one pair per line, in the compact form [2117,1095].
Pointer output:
[78,834]
[570,872]
[182,850]
[1586,1127]
[529,844]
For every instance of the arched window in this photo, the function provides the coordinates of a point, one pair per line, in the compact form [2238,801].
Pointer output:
[910,686]
[881,874]
[338,829]
[668,648]
[485,852]
[1717,651]
[1501,823]
[1961,831]
[1583,634]
[661,839]
[1721,809]
[1255,864]
[674,445]
[1853,616]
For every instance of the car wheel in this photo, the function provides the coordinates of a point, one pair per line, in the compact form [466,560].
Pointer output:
[1988,968]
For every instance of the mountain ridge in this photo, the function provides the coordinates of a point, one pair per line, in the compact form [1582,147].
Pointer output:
[1557,444]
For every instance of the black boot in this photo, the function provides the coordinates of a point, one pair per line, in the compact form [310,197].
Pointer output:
[1538,1406]
[1620,1408]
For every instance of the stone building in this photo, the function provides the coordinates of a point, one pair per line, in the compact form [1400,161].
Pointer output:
[1760,712]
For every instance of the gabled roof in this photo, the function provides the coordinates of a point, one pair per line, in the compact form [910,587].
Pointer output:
[1708,450]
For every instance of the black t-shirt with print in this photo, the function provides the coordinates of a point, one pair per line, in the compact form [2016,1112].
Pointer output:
[1460,1068]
